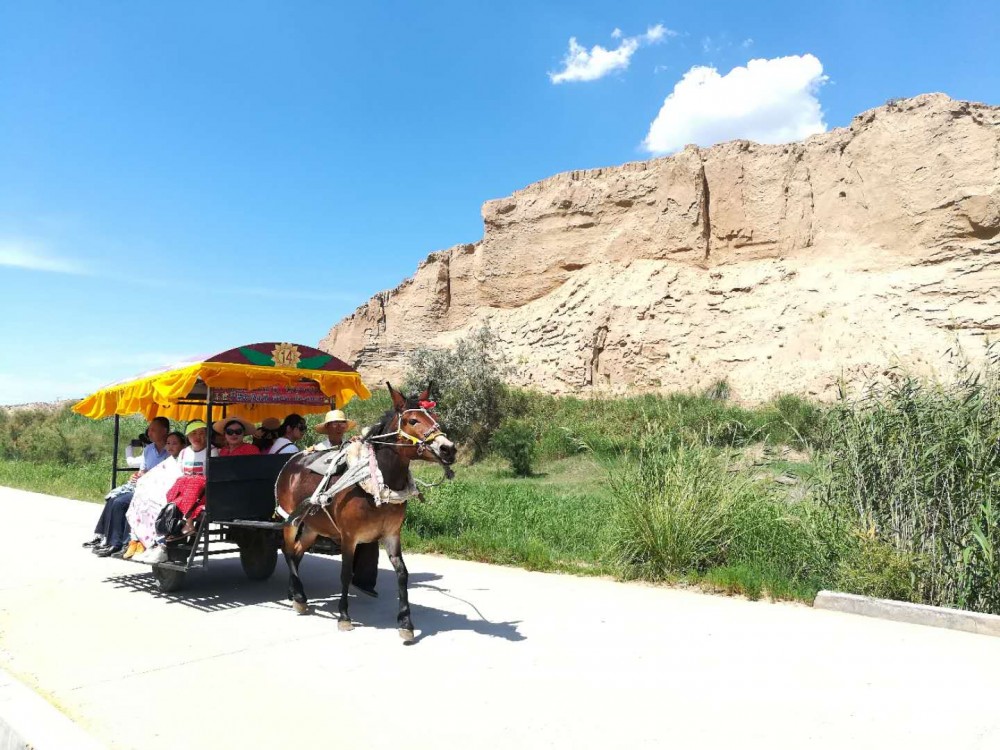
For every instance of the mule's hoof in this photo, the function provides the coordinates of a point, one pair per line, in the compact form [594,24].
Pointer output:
[301,608]
[345,625]
[406,635]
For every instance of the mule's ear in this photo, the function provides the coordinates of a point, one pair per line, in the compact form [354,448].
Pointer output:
[426,395]
[398,401]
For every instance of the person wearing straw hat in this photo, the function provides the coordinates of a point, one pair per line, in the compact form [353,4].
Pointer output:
[334,425]
[234,430]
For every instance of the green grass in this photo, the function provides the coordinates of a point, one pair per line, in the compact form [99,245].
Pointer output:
[78,481]
[552,520]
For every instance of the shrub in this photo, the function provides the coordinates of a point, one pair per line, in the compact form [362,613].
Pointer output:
[60,436]
[719,391]
[875,568]
[670,511]
[515,441]
[468,382]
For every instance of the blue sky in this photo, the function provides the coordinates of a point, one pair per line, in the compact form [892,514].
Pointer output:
[178,178]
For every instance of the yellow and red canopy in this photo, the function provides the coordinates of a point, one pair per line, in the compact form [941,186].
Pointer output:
[254,381]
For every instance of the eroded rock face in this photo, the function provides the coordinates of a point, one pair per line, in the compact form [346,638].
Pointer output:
[779,268]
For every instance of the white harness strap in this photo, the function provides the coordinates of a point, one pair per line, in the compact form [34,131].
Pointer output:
[362,469]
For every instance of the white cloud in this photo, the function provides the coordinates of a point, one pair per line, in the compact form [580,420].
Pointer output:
[581,64]
[746,42]
[768,101]
[657,33]
[31,257]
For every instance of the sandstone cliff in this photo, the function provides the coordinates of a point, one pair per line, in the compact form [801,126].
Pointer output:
[779,268]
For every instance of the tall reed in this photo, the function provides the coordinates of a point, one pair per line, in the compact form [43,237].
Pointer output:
[917,465]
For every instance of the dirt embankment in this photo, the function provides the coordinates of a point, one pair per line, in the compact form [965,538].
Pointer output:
[778,268]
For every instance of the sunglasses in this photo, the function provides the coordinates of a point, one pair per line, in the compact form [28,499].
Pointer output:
[234,431]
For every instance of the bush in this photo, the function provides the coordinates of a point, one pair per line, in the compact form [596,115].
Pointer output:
[795,421]
[58,435]
[468,383]
[670,510]
[515,441]
[875,568]
[719,391]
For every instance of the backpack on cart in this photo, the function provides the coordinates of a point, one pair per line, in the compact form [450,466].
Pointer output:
[170,522]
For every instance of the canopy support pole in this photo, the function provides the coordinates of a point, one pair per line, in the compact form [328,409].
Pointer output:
[114,457]
[208,446]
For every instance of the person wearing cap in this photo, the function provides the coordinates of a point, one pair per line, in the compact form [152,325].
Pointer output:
[234,430]
[334,425]
[292,429]
[192,458]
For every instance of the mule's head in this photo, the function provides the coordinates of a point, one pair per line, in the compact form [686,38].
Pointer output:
[418,425]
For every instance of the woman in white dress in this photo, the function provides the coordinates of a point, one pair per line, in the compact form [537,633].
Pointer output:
[150,497]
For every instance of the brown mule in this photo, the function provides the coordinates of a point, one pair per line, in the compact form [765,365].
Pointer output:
[406,433]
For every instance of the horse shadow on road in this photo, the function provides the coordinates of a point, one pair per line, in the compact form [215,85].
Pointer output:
[224,587]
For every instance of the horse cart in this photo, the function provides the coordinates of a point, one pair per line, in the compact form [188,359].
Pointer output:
[254,382]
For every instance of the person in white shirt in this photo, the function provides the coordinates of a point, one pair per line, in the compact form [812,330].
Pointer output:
[334,425]
[292,429]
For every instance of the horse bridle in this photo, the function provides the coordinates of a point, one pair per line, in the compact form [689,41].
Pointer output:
[422,444]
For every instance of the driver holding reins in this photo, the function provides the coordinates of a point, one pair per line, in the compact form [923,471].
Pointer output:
[334,426]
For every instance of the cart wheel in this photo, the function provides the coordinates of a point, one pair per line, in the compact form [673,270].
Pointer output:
[169,580]
[258,555]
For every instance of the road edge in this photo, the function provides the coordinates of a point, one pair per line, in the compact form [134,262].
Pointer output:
[916,614]
[29,722]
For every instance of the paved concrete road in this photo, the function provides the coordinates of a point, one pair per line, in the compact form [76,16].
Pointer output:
[504,658]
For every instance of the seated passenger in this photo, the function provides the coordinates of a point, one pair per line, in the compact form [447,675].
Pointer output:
[218,439]
[112,533]
[334,425]
[150,497]
[234,430]
[292,429]
[190,486]
[192,458]
[133,451]
[265,435]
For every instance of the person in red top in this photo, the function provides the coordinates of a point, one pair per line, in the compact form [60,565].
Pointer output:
[234,430]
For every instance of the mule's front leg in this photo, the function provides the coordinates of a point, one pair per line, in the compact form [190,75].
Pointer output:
[292,550]
[346,573]
[394,549]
